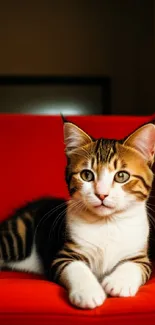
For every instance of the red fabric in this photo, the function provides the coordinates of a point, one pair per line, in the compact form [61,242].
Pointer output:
[32,164]
[27,299]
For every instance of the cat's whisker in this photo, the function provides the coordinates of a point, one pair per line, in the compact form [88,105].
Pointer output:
[78,206]
[152,220]
[151,209]
[148,204]
[61,215]
[150,216]
[58,218]
[47,215]
[74,206]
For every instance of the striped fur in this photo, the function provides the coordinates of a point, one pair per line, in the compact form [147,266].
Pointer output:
[32,233]
[16,237]
[145,264]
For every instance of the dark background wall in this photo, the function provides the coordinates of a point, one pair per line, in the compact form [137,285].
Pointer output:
[84,37]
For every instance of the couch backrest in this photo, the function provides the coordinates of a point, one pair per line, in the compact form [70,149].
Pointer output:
[32,160]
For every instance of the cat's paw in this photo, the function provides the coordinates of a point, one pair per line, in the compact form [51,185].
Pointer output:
[124,281]
[88,297]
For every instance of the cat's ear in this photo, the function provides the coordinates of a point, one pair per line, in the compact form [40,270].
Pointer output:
[143,140]
[74,137]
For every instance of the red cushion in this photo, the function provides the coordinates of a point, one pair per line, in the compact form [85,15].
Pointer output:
[27,299]
[32,164]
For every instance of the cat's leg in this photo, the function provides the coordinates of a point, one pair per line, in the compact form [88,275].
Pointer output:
[82,285]
[71,268]
[127,277]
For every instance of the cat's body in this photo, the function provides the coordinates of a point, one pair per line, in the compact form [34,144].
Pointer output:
[96,244]
[44,234]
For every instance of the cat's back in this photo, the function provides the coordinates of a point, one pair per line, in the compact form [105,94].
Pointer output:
[30,235]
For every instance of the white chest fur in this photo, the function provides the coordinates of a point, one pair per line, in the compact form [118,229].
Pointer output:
[124,237]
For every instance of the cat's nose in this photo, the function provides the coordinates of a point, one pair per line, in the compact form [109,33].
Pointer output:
[101,196]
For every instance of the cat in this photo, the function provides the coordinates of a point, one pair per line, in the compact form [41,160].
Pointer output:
[96,244]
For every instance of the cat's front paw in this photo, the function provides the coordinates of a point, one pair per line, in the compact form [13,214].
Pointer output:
[88,297]
[123,282]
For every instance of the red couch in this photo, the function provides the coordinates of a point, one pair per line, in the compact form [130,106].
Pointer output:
[32,163]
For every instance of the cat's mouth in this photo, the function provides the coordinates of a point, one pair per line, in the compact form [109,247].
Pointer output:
[102,205]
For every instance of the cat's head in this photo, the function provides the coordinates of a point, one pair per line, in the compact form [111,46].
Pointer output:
[109,176]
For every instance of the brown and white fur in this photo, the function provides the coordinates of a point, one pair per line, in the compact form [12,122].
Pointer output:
[109,227]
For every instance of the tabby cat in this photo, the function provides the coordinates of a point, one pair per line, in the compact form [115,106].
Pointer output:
[96,244]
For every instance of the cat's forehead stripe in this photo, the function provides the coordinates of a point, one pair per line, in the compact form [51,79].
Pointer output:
[92,161]
[115,163]
[104,151]
[98,143]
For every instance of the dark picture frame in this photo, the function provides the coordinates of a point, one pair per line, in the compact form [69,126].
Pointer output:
[103,82]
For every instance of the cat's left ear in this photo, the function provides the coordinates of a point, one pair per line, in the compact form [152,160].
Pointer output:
[143,140]
[74,137]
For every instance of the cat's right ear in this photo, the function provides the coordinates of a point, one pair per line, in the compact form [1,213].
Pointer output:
[74,137]
[143,140]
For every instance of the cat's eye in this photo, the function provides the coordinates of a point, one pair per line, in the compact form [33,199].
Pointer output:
[121,176]
[87,175]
